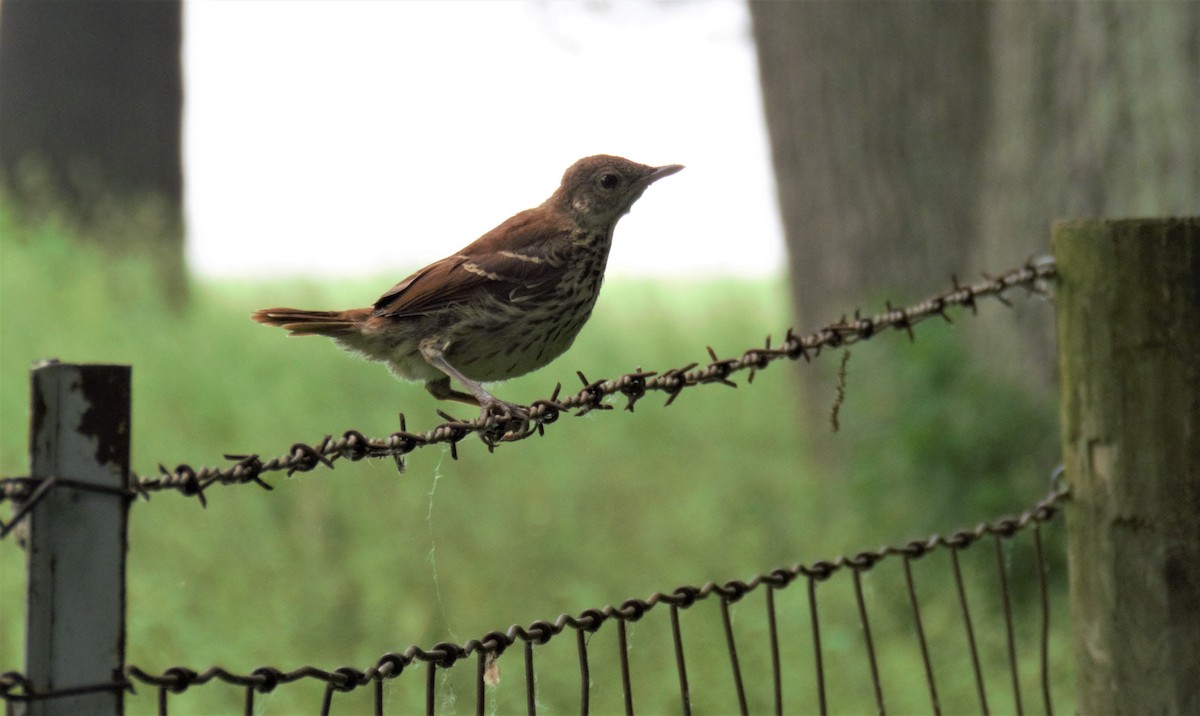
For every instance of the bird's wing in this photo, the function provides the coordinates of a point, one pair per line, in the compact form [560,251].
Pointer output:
[511,259]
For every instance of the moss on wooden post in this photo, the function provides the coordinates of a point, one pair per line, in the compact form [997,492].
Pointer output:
[1128,310]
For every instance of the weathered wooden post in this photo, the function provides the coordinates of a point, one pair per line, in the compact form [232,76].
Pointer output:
[75,632]
[1128,312]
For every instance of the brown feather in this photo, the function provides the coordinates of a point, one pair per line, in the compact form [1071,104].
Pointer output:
[313,323]
[482,265]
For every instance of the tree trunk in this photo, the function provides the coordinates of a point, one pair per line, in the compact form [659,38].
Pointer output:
[912,140]
[1096,115]
[876,112]
[91,101]
[877,116]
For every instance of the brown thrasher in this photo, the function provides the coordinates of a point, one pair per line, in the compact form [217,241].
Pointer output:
[508,303]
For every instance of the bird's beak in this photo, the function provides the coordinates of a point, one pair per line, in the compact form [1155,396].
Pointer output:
[664,171]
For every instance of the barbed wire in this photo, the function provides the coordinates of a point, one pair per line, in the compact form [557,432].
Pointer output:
[495,430]
[174,680]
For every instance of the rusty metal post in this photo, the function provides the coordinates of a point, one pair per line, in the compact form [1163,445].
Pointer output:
[1128,312]
[75,632]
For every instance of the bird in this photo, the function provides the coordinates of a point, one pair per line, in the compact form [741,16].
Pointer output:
[504,305]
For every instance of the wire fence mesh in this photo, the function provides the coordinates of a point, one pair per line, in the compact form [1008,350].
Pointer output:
[485,651]
[785,686]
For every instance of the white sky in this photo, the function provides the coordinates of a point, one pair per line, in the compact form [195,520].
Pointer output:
[336,138]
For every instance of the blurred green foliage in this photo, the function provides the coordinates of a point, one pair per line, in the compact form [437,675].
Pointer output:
[334,568]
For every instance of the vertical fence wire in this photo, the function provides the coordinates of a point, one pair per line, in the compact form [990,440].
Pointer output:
[530,686]
[680,666]
[816,641]
[480,688]
[1006,600]
[966,613]
[773,633]
[585,677]
[626,685]
[866,627]
[327,699]
[731,645]
[912,597]
[430,688]
[1045,599]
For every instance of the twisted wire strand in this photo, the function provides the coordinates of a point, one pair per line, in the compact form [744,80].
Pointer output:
[497,429]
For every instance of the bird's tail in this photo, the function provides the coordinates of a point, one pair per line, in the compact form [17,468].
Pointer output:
[314,323]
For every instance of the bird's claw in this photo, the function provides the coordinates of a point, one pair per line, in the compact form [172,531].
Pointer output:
[508,421]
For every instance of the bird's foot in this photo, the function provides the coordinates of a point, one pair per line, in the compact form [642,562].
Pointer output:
[509,421]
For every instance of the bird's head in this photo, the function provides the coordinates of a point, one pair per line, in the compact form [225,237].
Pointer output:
[598,190]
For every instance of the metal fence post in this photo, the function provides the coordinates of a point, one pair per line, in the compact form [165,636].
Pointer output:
[1128,313]
[75,631]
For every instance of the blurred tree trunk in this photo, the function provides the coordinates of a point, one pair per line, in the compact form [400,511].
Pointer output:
[91,102]
[877,116]
[912,140]
[1096,114]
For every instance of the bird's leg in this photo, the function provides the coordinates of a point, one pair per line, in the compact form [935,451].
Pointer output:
[441,390]
[488,403]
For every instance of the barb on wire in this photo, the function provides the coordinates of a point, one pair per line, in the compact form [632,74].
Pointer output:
[14,686]
[495,429]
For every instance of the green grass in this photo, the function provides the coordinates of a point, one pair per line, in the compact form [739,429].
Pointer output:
[339,567]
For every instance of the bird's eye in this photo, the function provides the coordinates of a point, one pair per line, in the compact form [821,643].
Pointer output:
[609,181]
